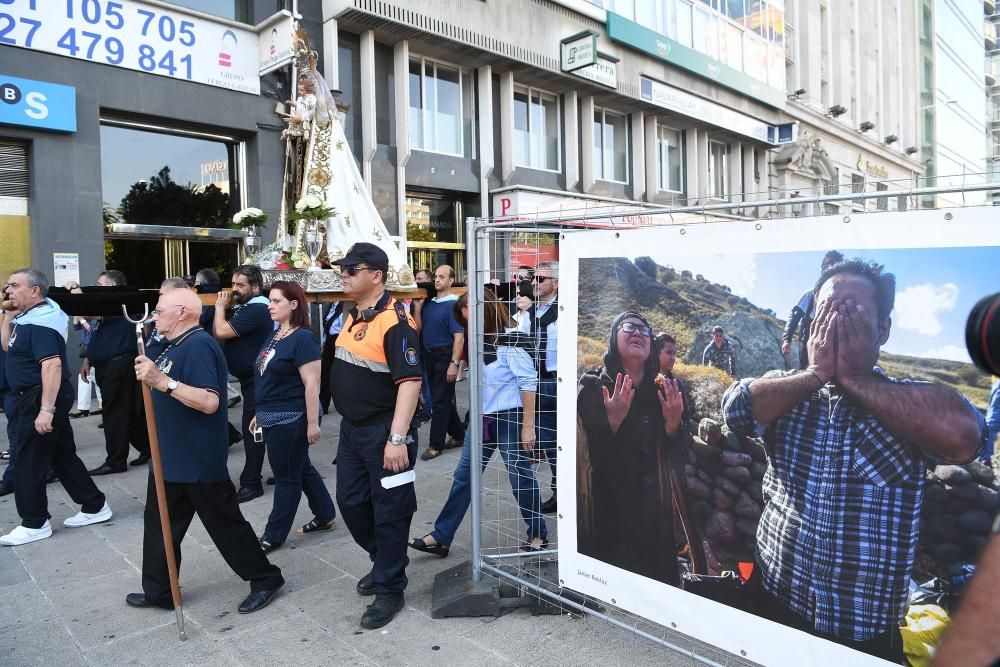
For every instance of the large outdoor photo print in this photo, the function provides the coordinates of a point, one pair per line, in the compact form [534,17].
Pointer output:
[797,434]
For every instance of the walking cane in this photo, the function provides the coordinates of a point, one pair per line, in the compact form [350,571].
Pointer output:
[161,490]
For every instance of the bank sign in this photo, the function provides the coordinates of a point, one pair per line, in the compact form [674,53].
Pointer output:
[136,36]
[28,103]
[643,39]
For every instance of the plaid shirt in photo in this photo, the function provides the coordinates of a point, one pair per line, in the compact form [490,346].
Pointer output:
[841,517]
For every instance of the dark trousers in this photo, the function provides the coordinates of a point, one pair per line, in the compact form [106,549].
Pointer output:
[326,363]
[378,518]
[215,504]
[294,474]
[10,411]
[255,451]
[545,424]
[124,416]
[56,449]
[888,645]
[444,420]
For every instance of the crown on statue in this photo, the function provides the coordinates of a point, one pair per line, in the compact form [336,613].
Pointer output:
[306,57]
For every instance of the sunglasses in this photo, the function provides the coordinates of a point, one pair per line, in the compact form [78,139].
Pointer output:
[631,327]
[353,270]
[541,279]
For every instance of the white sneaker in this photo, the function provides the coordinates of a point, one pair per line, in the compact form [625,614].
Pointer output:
[84,519]
[22,535]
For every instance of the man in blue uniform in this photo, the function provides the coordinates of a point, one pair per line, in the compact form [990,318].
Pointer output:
[38,374]
[112,351]
[375,382]
[189,382]
[244,334]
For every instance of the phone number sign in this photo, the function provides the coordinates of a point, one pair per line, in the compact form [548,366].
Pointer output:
[137,36]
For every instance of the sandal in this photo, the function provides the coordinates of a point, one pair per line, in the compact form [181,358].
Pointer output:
[430,453]
[530,547]
[5,455]
[435,549]
[317,526]
[268,546]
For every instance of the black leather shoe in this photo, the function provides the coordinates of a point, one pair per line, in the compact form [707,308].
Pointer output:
[140,600]
[140,460]
[106,469]
[51,477]
[257,600]
[76,414]
[381,611]
[248,493]
[549,506]
[6,489]
[366,585]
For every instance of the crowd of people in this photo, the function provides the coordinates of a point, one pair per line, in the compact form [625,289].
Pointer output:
[385,365]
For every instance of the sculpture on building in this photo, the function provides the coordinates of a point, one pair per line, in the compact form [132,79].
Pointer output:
[807,157]
[318,161]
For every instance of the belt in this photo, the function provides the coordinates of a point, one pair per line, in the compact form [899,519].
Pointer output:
[443,348]
[117,357]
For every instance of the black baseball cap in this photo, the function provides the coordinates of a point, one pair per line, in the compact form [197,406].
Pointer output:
[364,253]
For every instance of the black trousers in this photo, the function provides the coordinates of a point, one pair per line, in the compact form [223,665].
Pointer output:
[216,506]
[759,601]
[444,420]
[326,361]
[124,416]
[378,518]
[255,451]
[36,453]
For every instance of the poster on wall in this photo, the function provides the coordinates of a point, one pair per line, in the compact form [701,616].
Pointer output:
[778,429]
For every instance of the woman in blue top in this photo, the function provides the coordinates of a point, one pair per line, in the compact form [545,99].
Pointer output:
[509,383]
[287,391]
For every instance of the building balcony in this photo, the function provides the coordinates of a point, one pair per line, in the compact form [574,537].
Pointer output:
[990,35]
[989,7]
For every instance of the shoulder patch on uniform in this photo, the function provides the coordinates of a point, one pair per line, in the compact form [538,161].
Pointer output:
[411,356]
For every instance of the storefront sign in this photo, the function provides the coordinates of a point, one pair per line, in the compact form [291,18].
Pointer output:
[274,48]
[579,50]
[28,103]
[643,39]
[137,36]
[693,106]
[872,168]
[65,268]
[604,71]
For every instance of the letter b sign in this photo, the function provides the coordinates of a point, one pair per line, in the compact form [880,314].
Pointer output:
[10,93]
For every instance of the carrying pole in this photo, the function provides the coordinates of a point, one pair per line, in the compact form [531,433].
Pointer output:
[161,489]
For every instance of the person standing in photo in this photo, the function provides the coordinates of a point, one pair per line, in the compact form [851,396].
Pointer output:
[544,315]
[287,397]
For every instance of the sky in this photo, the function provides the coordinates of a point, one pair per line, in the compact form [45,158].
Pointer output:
[935,288]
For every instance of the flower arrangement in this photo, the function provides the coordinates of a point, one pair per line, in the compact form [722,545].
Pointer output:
[249,217]
[311,206]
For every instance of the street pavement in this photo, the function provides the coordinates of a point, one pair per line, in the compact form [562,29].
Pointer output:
[62,600]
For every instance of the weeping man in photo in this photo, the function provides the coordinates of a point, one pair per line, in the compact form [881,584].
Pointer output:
[847,450]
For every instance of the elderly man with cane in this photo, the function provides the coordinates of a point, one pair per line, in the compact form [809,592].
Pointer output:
[188,377]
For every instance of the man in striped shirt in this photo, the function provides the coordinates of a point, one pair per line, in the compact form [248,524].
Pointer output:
[847,449]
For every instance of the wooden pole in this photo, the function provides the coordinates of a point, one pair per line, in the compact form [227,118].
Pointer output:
[161,489]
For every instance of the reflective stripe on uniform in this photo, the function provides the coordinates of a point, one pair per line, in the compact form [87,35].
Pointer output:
[375,366]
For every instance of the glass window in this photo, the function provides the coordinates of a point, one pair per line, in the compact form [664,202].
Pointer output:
[857,186]
[236,10]
[732,46]
[669,159]
[536,129]
[645,14]
[883,202]
[610,147]
[717,170]
[684,30]
[626,8]
[153,177]
[437,122]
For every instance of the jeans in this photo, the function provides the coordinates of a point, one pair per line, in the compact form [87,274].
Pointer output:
[10,399]
[250,477]
[992,421]
[545,421]
[505,435]
[294,474]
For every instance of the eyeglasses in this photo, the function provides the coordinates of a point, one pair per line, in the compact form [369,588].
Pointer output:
[353,270]
[542,279]
[159,311]
[630,327]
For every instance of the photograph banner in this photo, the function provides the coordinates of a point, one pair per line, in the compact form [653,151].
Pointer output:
[780,444]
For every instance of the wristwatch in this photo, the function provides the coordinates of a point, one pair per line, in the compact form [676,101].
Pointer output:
[396,439]
[171,385]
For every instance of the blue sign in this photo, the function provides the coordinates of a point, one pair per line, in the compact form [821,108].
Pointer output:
[27,103]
